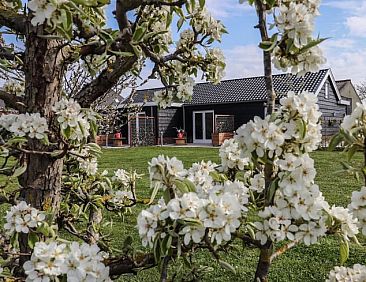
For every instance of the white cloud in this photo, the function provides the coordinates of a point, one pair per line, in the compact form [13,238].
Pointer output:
[357,25]
[243,61]
[343,43]
[347,64]
[226,8]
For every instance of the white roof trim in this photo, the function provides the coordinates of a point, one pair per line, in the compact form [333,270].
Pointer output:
[329,74]
[152,104]
[344,102]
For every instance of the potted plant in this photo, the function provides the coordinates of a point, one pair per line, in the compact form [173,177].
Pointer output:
[180,140]
[180,133]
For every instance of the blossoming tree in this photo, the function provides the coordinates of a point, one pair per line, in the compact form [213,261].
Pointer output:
[265,170]
[51,133]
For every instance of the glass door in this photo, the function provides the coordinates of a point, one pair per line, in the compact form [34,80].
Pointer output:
[203,126]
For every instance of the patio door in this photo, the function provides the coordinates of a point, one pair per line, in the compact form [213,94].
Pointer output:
[203,126]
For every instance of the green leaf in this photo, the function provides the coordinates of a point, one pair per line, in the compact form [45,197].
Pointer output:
[14,240]
[154,192]
[334,142]
[139,34]
[227,266]
[44,229]
[202,3]
[19,171]
[32,239]
[191,187]
[343,251]
[180,23]
[122,54]
[272,190]
[181,186]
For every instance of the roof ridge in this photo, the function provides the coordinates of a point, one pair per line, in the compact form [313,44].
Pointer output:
[236,79]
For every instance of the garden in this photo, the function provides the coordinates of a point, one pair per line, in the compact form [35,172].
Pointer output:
[267,205]
[300,264]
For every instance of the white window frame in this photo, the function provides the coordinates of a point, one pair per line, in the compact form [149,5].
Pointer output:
[326,90]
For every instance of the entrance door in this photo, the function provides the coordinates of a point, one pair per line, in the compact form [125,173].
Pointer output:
[203,126]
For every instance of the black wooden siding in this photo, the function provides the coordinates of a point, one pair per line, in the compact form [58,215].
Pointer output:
[332,111]
[169,119]
[243,112]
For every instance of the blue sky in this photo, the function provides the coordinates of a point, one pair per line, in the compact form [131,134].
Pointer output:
[343,21]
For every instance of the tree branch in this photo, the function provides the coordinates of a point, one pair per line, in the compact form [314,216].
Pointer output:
[13,21]
[12,101]
[262,25]
[125,264]
[283,249]
[105,81]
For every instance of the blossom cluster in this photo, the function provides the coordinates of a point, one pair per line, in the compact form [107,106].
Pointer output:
[156,21]
[342,273]
[43,10]
[204,23]
[14,87]
[308,60]
[22,218]
[358,208]
[230,154]
[284,132]
[216,212]
[215,207]
[25,125]
[53,12]
[356,120]
[182,91]
[298,208]
[89,166]
[295,22]
[76,262]
[165,170]
[199,175]
[74,121]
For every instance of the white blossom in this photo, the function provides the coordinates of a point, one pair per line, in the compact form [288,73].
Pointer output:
[356,273]
[76,262]
[22,125]
[22,218]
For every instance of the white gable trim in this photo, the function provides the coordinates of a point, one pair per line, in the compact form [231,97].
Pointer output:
[329,74]
[344,102]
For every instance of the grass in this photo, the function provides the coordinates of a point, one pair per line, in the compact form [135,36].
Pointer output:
[301,263]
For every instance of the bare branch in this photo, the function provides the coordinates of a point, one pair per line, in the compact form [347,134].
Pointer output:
[12,101]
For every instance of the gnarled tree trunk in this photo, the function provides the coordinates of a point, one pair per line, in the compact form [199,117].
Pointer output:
[41,182]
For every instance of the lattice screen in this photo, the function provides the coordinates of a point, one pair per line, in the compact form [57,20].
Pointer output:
[142,131]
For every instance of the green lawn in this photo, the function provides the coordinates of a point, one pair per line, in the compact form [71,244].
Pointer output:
[299,264]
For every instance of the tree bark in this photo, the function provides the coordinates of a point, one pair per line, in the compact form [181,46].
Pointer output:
[264,262]
[41,182]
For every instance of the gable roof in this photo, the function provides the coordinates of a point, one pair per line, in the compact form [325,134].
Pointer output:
[249,89]
[342,83]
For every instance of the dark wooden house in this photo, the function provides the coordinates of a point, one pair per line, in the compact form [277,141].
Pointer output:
[226,106]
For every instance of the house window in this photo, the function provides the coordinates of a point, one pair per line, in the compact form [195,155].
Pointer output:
[327,91]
